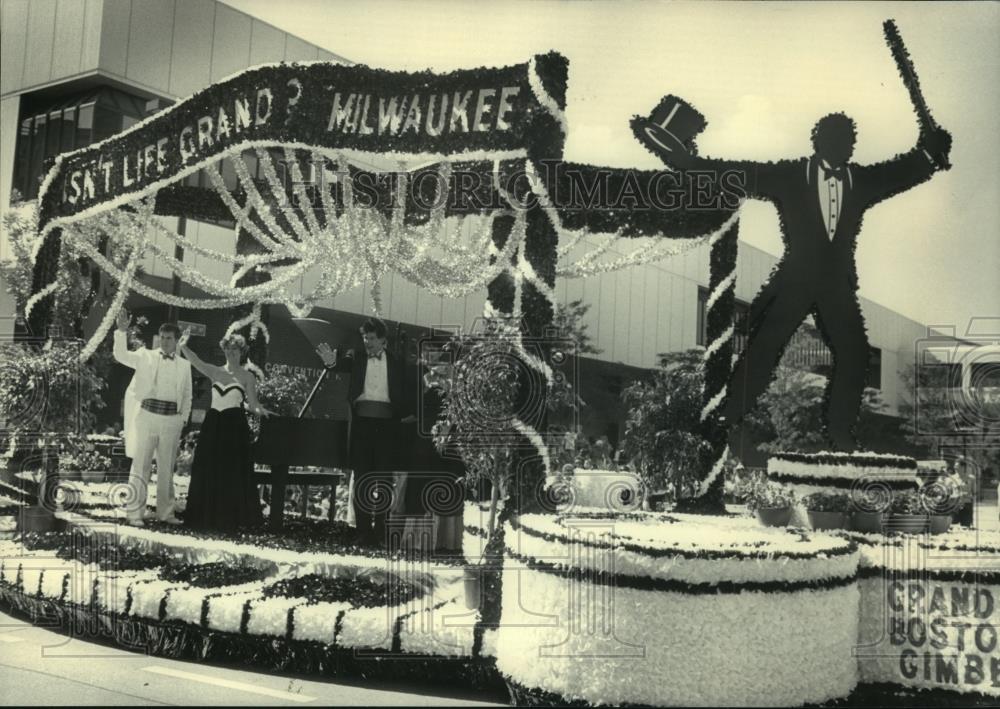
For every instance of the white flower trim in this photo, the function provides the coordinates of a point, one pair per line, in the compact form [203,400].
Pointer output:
[318,621]
[667,649]
[447,631]
[269,616]
[845,471]
[185,603]
[225,613]
[197,550]
[489,648]
[113,587]
[822,565]
[147,597]
[372,628]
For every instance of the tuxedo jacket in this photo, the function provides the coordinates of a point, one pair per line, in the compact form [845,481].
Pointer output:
[812,258]
[355,362]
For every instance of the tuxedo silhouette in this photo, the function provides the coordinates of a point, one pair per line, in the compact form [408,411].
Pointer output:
[821,201]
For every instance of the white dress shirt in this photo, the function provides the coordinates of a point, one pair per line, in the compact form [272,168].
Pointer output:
[376,381]
[831,195]
[166,379]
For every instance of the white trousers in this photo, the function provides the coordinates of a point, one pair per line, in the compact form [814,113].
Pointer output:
[154,433]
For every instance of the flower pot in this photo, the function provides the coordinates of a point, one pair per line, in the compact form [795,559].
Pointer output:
[774,516]
[92,476]
[473,588]
[940,523]
[819,519]
[868,522]
[909,523]
[72,475]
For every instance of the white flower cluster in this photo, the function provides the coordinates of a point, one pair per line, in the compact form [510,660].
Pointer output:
[846,471]
[674,649]
[636,546]
[435,623]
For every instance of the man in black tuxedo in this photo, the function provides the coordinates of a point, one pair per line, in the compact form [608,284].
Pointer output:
[377,395]
[821,200]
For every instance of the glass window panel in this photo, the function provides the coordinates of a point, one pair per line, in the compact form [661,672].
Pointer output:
[22,160]
[106,122]
[37,155]
[84,125]
[68,141]
[53,134]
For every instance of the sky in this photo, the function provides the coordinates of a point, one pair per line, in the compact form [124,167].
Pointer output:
[761,73]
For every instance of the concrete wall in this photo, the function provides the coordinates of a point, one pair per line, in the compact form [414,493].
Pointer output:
[170,48]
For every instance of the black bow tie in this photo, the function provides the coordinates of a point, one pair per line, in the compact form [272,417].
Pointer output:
[829,172]
[164,355]
[376,356]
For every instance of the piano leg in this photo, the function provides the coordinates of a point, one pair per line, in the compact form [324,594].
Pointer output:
[331,514]
[304,502]
[279,479]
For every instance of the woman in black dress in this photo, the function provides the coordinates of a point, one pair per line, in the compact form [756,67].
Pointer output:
[222,495]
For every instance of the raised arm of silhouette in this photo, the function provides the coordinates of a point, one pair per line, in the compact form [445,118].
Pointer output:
[669,133]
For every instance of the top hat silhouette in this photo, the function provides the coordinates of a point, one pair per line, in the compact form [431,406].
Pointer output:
[672,124]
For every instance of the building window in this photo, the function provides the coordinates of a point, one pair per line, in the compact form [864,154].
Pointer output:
[49,128]
[741,321]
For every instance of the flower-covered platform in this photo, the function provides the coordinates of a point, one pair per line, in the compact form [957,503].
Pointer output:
[306,600]
[671,609]
[596,608]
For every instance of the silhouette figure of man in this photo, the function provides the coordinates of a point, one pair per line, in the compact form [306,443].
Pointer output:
[821,200]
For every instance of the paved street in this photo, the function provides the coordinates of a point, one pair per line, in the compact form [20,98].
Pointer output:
[38,666]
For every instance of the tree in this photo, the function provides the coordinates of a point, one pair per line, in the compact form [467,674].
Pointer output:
[568,322]
[284,391]
[789,416]
[663,440]
[937,414]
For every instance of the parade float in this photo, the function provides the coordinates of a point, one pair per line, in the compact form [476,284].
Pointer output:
[578,605]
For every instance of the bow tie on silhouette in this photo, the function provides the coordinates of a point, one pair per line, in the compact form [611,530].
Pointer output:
[829,172]
[377,356]
[164,355]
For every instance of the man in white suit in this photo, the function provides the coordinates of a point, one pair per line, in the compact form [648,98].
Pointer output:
[160,398]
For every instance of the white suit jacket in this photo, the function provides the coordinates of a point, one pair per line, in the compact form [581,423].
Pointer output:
[144,362]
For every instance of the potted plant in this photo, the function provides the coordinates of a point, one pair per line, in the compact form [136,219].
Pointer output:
[770,501]
[828,510]
[89,465]
[940,499]
[477,379]
[907,513]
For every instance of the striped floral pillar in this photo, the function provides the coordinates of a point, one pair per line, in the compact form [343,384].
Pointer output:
[718,367]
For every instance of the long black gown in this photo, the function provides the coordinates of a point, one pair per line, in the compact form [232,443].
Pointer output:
[222,495]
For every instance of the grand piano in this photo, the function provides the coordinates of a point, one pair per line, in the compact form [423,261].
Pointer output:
[290,441]
[294,441]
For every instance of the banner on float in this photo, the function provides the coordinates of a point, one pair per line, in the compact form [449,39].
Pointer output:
[940,631]
[484,113]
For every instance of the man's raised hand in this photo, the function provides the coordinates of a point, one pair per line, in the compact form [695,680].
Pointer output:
[185,336]
[327,354]
[123,320]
